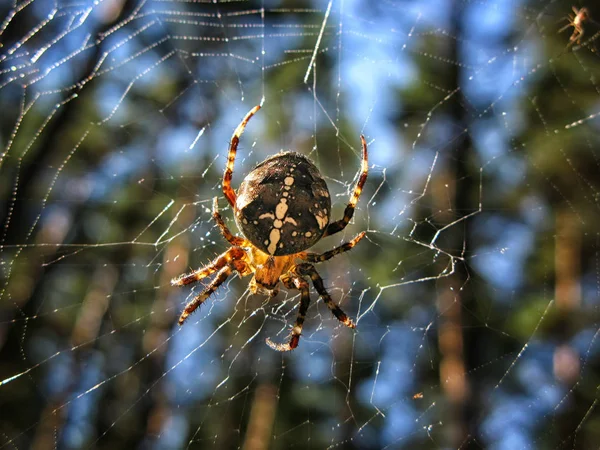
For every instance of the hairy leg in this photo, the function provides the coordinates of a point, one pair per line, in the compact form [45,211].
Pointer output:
[339,225]
[316,257]
[235,139]
[218,263]
[291,281]
[309,270]
[233,240]
[199,299]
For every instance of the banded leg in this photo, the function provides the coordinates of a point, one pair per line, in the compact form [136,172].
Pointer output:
[233,240]
[316,257]
[339,225]
[218,263]
[199,299]
[235,139]
[309,270]
[300,284]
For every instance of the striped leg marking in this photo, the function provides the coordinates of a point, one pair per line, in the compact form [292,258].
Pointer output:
[199,299]
[302,286]
[316,257]
[309,270]
[219,262]
[339,225]
[235,140]
[233,240]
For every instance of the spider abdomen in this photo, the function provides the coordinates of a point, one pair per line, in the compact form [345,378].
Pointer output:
[283,204]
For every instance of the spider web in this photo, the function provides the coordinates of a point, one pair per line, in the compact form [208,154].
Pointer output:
[475,292]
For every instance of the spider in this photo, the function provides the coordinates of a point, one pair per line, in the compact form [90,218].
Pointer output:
[576,21]
[282,208]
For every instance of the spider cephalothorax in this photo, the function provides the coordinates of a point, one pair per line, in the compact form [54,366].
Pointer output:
[282,208]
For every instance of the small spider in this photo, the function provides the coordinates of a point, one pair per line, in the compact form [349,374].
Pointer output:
[282,208]
[576,21]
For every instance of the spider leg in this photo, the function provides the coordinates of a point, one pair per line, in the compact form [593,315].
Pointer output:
[218,263]
[567,26]
[235,139]
[292,281]
[575,37]
[316,257]
[212,287]
[339,225]
[309,270]
[233,240]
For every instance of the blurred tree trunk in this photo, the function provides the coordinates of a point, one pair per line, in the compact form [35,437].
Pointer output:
[262,417]
[567,292]
[455,192]
[86,330]
[567,260]
[48,151]
[565,177]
